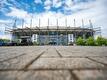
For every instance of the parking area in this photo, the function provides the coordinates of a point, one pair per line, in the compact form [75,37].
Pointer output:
[53,63]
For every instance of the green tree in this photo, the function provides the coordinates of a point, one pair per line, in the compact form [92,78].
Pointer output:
[5,40]
[101,41]
[106,43]
[90,41]
[35,43]
[80,41]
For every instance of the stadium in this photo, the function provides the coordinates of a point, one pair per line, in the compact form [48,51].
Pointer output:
[51,35]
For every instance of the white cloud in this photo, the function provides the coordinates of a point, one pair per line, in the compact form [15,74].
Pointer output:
[18,13]
[38,1]
[5,21]
[3,9]
[3,3]
[71,6]
[47,7]
[52,18]
[47,4]
[57,3]
[68,3]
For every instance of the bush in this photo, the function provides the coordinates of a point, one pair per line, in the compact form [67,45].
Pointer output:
[35,43]
[101,41]
[80,41]
[5,40]
[90,41]
[106,43]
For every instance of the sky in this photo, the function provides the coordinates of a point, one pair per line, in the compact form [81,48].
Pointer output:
[25,10]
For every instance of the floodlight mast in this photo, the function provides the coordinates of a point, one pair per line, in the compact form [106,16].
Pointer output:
[66,30]
[91,27]
[74,23]
[84,34]
[57,31]
[39,31]
[47,42]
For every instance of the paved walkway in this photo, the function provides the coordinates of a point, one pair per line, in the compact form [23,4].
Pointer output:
[53,63]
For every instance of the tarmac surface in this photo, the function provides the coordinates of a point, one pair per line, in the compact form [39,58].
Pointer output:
[53,63]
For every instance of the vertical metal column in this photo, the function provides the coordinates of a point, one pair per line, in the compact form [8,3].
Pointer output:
[14,25]
[57,32]
[13,35]
[48,32]
[91,27]
[82,23]
[84,33]
[100,31]
[39,33]
[22,23]
[31,23]
[75,33]
[74,23]
[66,31]
[31,27]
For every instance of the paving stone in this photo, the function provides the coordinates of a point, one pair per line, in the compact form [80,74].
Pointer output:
[64,63]
[14,52]
[36,75]
[100,59]
[8,75]
[46,75]
[91,74]
[20,62]
[77,54]
[76,63]
[51,52]
[83,51]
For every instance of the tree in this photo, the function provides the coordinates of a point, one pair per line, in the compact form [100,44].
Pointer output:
[80,41]
[101,41]
[4,40]
[90,41]
[106,43]
[35,43]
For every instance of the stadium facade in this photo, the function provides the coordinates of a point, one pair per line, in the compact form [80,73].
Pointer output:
[51,35]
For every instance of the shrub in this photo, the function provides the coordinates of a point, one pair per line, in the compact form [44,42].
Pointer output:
[101,41]
[80,41]
[106,43]
[5,40]
[90,41]
[35,43]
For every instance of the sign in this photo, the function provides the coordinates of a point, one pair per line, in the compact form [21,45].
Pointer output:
[34,38]
[70,38]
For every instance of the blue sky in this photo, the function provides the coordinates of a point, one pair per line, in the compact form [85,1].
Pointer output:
[53,9]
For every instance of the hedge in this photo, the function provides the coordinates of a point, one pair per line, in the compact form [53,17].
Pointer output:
[80,41]
[90,41]
[100,41]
